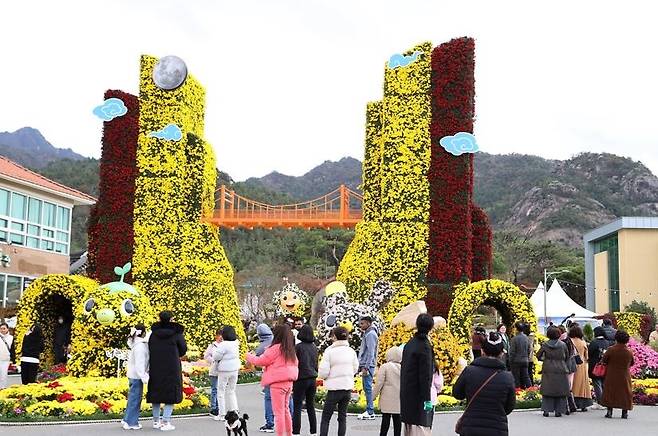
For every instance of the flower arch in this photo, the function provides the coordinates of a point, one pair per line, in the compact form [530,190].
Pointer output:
[512,304]
[36,305]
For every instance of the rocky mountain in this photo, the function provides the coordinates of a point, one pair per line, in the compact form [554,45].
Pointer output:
[28,147]
[545,199]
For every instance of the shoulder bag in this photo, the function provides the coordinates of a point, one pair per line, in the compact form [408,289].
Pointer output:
[458,425]
[599,370]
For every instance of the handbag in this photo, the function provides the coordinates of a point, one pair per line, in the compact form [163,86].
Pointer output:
[579,360]
[599,370]
[458,425]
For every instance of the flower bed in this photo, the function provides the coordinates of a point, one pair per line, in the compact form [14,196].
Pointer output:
[81,398]
[645,360]
[645,392]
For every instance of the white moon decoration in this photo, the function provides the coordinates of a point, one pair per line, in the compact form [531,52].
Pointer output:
[169,73]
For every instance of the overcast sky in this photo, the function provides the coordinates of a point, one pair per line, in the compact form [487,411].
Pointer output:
[287,81]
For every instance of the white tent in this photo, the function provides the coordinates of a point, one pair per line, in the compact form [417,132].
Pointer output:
[559,305]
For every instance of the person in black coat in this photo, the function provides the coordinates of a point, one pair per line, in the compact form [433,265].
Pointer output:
[31,350]
[304,387]
[609,330]
[61,340]
[486,414]
[417,411]
[166,347]
[595,352]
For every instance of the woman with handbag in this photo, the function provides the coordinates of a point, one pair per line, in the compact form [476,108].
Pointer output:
[617,390]
[580,389]
[554,387]
[489,391]
[595,352]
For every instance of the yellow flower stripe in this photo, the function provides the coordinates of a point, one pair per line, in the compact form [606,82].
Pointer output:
[391,242]
[178,260]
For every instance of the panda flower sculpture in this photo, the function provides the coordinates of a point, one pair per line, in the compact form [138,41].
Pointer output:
[291,300]
[339,311]
[104,318]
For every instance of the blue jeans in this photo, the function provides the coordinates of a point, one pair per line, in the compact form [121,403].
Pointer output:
[367,389]
[213,393]
[135,389]
[166,413]
[269,413]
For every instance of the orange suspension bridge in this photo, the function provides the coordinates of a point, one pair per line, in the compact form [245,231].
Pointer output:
[335,209]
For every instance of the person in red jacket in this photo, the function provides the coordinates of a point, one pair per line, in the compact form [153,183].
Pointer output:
[280,369]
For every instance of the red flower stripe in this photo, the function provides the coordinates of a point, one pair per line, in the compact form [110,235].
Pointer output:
[481,245]
[111,221]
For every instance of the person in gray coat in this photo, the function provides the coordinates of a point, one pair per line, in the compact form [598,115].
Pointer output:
[520,352]
[554,374]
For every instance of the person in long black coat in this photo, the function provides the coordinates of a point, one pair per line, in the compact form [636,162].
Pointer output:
[416,380]
[166,347]
[487,412]
[595,352]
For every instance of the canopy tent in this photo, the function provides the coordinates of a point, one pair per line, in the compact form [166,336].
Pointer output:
[559,306]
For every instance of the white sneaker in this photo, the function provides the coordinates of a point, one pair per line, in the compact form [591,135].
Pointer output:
[217,418]
[366,416]
[167,427]
[157,424]
[131,427]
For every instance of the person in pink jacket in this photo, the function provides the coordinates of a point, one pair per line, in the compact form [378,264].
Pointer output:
[437,383]
[280,369]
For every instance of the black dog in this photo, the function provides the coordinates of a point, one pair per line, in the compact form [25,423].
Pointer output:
[235,425]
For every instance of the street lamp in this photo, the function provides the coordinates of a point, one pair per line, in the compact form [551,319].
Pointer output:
[548,274]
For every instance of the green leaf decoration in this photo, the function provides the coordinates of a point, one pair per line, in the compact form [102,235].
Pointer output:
[118,271]
[127,267]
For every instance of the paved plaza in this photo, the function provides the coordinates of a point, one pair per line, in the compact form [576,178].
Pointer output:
[643,421]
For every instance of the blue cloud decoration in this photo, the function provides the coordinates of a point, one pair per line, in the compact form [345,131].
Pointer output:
[111,109]
[171,132]
[460,143]
[398,60]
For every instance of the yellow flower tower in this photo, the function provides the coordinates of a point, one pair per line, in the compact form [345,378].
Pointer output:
[391,241]
[178,259]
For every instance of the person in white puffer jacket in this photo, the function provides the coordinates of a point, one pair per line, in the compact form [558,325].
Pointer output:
[337,368]
[226,357]
[138,375]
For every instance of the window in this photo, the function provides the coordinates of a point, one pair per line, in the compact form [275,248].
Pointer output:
[17,239]
[27,221]
[4,202]
[62,218]
[18,206]
[34,211]
[49,214]
[3,297]
[14,288]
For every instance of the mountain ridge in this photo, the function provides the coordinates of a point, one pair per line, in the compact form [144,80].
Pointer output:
[28,147]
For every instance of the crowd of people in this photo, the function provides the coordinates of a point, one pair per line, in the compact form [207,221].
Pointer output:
[568,366]
[407,385]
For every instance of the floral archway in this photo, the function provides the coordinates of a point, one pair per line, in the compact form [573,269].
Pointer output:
[510,302]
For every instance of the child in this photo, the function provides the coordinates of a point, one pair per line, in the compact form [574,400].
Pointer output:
[227,356]
[279,362]
[212,372]
[437,383]
[138,376]
[338,366]
[387,387]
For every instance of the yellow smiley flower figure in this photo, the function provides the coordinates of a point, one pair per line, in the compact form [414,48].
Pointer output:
[103,319]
